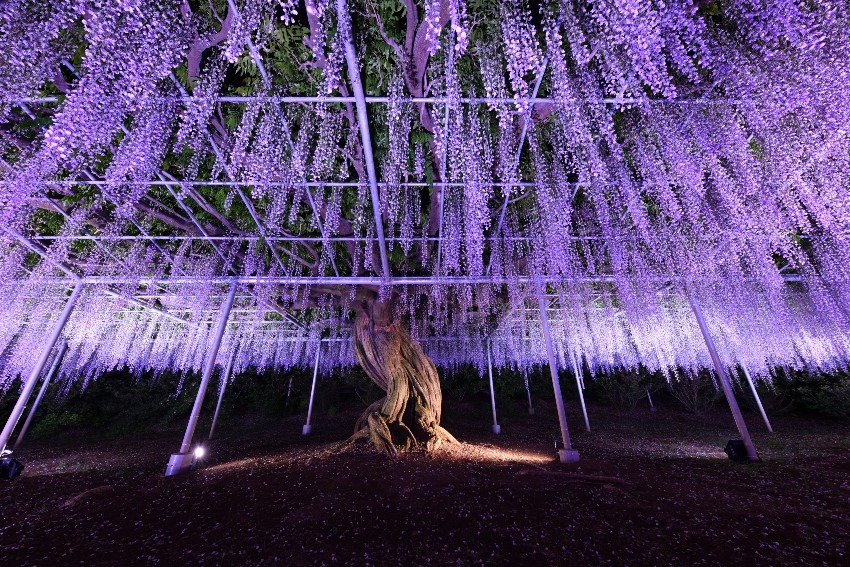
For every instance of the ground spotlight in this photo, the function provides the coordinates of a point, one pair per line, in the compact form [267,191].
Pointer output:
[737,451]
[10,468]
[199,452]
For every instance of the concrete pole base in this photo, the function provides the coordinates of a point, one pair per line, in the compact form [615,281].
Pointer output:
[307,429]
[568,455]
[180,463]
[497,428]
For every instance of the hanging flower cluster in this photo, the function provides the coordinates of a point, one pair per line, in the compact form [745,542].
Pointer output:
[140,154]
[521,49]
[35,38]
[116,80]
[676,152]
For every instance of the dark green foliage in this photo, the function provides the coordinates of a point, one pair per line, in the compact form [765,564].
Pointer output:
[361,386]
[775,398]
[349,389]
[265,394]
[697,393]
[463,383]
[827,395]
[622,390]
[115,404]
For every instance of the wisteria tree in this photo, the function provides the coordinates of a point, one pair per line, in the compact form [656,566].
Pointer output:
[410,170]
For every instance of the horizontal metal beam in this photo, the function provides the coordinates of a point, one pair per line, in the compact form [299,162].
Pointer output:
[410,100]
[376,280]
[38,249]
[250,238]
[202,183]
[145,306]
[468,339]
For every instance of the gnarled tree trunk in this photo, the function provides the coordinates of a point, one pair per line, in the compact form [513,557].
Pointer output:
[408,417]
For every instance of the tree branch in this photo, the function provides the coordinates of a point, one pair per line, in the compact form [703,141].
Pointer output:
[390,41]
[202,43]
[412,17]
[170,218]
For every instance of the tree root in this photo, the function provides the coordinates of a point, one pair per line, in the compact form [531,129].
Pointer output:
[363,420]
[392,438]
[447,436]
[86,494]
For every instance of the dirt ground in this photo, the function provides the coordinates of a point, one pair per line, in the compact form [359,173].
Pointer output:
[651,488]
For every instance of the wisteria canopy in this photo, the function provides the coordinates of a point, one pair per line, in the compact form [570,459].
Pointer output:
[382,179]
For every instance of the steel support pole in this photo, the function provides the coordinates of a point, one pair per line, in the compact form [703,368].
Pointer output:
[224,378]
[522,136]
[752,454]
[758,399]
[307,429]
[365,136]
[59,354]
[528,391]
[441,195]
[184,460]
[37,369]
[567,454]
[580,392]
[496,427]
[649,397]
